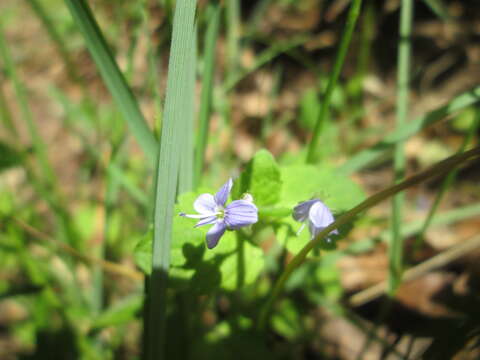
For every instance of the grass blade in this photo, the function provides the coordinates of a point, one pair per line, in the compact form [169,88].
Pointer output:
[232,19]
[395,250]
[332,81]
[446,183]
[207,89]
[42,14]
[112,76]
[367,156]
[21,94]
[168,167]
[185,182]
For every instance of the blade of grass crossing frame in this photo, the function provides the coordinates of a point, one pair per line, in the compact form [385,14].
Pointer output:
[232,19]
[395,253]
[211,36]
[185,181]
[332,81]
[367,156]
[6,115]
[113,77]
[20,92]
[44,17]
[446,183]
[167,174]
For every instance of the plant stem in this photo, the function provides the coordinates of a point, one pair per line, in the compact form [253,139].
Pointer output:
[332,81]
[395,253]
[436,170]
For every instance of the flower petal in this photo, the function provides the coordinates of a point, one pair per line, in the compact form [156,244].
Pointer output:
[319,218]
[320,215]
[221,196]
[205,204]
[207,220]
[300,212]
[240,213]
[215,233]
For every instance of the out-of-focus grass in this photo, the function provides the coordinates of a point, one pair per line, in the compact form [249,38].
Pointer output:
[211,36]
[111,180]
[395,254]
[333,79]
[112,76]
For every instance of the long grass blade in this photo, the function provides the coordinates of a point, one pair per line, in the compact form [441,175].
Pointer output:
[21,94]
[167,174]
[395,253]
[211,36]
[332,81]
[112,76]
[185,182]
[373,153]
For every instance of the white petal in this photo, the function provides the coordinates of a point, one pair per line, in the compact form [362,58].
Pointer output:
[320,215]
[205,204]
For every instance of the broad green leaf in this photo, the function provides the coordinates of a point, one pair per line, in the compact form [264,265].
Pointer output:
[191,260]
[261,179]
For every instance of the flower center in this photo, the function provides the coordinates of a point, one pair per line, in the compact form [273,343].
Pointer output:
[220,212]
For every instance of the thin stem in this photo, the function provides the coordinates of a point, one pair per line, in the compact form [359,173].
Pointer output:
[436,170]
[403,79]
[332,81]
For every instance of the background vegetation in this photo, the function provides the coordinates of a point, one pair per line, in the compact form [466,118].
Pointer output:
[116,115]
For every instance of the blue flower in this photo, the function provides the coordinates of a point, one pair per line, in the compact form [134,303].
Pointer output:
[318,215]
[212,210]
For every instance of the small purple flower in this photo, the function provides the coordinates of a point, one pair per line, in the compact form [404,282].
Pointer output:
[318,215]
[212,210]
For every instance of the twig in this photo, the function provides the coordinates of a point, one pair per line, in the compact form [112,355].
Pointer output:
[108,266]
[415,272]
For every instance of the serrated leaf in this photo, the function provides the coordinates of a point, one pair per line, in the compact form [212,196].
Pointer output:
[261,179]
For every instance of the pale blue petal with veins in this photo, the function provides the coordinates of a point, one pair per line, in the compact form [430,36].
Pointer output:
[318,215]
[211,210]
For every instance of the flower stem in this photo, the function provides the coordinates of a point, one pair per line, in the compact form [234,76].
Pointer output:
[436,170]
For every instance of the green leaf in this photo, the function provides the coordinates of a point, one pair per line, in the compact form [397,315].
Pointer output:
[261,179]
[9,157]
[233,262]
[304,182]
[120,313]
[143,252]
[286,320]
